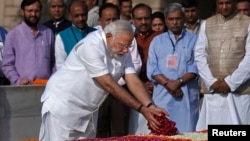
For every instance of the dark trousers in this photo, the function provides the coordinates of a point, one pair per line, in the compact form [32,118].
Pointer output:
[113,118]
[4,81]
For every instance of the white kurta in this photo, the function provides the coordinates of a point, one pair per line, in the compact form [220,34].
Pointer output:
[71,94]
[222,108]
[60,52]
[93,16]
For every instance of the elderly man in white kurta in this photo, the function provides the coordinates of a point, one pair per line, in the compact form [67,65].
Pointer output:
[74,93]
[223,57]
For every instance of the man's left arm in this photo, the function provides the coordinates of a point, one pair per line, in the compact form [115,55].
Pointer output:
[242,73]
[137,88]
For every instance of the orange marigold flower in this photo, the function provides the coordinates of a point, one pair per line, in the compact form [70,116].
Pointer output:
[40,82]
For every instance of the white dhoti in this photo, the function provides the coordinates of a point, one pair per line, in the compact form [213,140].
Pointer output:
[224,109]
[53,129]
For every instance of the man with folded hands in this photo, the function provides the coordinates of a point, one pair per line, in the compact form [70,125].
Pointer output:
[172,69]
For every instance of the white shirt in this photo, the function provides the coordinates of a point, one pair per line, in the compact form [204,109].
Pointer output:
[60,53]
[93,16]
[71,93]
[136,58]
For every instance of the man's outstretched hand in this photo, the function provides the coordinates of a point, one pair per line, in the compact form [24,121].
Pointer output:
[150,112]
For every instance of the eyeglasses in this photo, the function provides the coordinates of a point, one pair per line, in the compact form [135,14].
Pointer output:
[124,45]
[31,11]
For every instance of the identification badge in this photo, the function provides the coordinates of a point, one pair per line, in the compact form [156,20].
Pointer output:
[172,61]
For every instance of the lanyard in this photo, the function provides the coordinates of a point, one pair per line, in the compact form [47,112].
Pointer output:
[173,45]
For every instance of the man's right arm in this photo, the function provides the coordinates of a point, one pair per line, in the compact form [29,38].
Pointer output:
[9,57]
[201,57]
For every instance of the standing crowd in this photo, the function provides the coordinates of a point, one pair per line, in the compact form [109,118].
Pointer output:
[110,68]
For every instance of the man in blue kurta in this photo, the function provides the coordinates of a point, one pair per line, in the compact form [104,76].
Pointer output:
[67,38]
[173,71]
